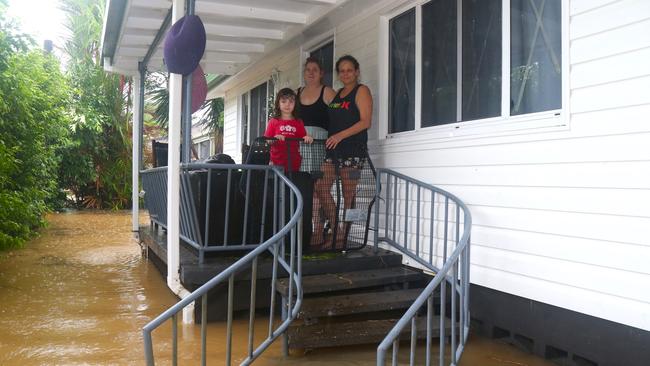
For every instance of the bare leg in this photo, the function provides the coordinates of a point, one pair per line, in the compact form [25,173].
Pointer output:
[323,192]
[349,192]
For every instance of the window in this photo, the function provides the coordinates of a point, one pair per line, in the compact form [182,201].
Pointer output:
[439,63]
[204,149]
[256,109]
[402,71]
[458,56]
[535,56]
[325,55]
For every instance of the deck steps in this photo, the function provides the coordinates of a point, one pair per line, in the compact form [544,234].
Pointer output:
[316,307]
[356,305]
[334,282]
[353,333]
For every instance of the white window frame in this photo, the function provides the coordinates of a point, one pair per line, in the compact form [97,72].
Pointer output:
[209,140]
[245,135]
[241,134]
[314,44]
[505,124]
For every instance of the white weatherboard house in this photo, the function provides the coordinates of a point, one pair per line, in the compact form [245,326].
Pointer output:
[535,113]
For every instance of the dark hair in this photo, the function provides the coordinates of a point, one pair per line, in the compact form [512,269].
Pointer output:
[349,58]
[282,94]
[313,60]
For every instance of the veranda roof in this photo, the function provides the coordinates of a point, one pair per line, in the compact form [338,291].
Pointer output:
[239,32]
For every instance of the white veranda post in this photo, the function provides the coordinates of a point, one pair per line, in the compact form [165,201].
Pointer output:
[173,166]
[135,165]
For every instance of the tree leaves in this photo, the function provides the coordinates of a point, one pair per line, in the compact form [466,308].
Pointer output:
[33,124]
[96,164]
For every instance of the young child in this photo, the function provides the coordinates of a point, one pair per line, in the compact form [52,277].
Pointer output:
[283,125]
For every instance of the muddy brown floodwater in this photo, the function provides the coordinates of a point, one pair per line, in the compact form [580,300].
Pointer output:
[81,292]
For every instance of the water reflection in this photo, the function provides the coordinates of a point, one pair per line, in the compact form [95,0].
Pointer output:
[80,294]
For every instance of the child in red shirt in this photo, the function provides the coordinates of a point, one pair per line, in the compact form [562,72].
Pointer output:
[284,125]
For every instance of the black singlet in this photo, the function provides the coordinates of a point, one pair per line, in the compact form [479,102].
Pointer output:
[314,114]
[343,113]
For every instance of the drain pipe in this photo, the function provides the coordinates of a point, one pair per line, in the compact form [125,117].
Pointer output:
[173,180]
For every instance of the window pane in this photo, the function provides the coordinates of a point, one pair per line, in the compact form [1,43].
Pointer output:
[439,62]
[402,72]
[204,149]
[325,56]
[535,56]
[258,111]
[270,101]
[196,148]
[481,59]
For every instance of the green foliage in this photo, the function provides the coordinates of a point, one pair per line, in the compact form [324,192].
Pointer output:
[213,115]
[96,164]
[212,110]
[157,84]
[33,125]
[213,119]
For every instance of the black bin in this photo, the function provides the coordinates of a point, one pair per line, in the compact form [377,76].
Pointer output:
[217,205]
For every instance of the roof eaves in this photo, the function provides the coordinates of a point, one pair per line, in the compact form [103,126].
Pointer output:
[112,26]
[213,85]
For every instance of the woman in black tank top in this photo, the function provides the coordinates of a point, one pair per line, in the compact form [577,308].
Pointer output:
[350,115]
[313,99]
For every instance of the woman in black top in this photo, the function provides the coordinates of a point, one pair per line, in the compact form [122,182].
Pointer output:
[313,99]
[350,114]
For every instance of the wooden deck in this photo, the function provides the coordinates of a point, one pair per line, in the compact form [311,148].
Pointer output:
[193,274]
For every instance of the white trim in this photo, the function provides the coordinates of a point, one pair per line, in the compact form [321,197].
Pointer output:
[566,64]
[505,59]
[135,160]
[459,61]
[241,31]
[173,180]
[319,41]
[248,115]
[201,139]
[384,64]
[547,120]
[249,12]
[173,169]
[383,69]
[418,68]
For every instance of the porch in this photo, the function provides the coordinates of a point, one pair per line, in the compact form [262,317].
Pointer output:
[251,225]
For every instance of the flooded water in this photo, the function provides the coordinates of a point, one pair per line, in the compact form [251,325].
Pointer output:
[80,294]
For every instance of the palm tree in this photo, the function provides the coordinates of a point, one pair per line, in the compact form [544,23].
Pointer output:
[211,111]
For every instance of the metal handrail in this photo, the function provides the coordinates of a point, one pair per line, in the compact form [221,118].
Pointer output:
[276,246]
[454,271]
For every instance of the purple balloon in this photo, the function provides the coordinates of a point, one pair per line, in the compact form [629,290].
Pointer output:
[184,45]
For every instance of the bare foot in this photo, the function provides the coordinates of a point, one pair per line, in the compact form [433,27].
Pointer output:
[342,235]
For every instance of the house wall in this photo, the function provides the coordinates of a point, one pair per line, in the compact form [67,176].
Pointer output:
[561,209]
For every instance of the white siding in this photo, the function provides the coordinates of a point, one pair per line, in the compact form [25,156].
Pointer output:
[231,126]
[562,214]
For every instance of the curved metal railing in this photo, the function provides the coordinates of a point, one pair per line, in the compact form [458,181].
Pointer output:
[284,263]
[222,206]
[424,223]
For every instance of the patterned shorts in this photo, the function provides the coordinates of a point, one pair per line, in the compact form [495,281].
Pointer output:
[348,162]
